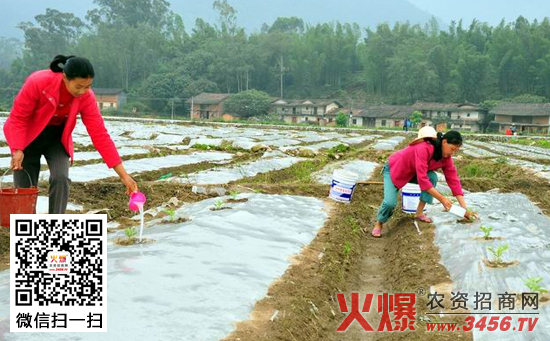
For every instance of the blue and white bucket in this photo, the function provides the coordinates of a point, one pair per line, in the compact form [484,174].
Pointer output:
[343,185]
[410,198]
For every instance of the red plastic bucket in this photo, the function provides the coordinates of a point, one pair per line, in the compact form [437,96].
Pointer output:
[16,201]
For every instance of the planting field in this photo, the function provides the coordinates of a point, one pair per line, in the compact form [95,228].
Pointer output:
[243,243]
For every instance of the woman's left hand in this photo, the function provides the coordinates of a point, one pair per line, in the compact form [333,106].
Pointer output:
[131,184]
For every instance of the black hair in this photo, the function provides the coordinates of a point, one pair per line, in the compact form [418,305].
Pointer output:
[72,66]
[452,137]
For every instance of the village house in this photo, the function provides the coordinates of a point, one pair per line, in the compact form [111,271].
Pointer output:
[314,111]
[529,118]
[380,116]
[209,106]
[109,98]
[456,116]
[323,112]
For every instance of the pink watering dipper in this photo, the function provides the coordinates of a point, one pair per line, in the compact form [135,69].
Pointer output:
[137,200]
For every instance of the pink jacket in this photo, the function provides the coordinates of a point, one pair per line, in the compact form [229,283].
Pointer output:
[417,160]
[35,105]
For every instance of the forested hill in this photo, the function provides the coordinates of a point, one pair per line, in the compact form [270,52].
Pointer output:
[252,14]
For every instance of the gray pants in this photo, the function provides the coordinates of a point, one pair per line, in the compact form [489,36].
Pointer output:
[48,143]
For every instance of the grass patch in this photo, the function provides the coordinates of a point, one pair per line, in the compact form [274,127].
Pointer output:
[226,146]
[528,142]
[487,169]
[482,175]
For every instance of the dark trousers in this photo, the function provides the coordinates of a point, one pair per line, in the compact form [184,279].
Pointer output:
[48,143]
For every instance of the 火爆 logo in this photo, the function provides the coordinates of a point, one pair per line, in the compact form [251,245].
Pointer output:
[58,262]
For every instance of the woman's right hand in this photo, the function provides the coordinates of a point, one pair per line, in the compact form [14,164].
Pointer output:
[17,160]
[446,203]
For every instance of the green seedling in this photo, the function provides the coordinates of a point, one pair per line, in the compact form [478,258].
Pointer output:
[486,231]
[234,194]
[501,160]
[473,214]
[171,213]
[533,284]
[499,252]
[347,248]
[201,146]
[218,205]
[341,148]
[355,228]
[130,232]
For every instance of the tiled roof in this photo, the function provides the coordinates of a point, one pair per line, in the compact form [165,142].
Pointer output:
[522,109]
[209,98]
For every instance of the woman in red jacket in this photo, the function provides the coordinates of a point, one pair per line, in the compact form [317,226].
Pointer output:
[42,120]
[417,164]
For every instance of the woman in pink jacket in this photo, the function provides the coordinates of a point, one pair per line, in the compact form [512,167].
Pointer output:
[42,120]
[417,164]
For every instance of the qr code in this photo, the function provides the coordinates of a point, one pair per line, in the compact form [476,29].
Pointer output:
[58,266]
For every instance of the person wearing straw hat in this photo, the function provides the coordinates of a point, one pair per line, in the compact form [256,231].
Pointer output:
[417,163]
[42,120]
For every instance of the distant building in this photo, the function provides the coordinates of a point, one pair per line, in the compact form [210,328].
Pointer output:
[209,106]
[110,98]
[379,116]
[312,111]
[529,118]
[455,116]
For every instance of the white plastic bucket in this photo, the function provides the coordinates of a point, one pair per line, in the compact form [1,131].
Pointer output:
[410,198]
[343,185]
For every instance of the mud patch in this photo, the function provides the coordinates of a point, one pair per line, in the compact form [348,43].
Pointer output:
[112,195]
[179,220]
[490,239]
[133,241]
[82,148]
[412,263]
[220,208]
[495,264]
[236,201]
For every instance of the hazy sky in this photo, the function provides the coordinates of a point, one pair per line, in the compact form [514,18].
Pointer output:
[491,11]
[368,11]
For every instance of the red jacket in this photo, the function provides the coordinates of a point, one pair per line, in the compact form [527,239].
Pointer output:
[35,106]
[417,160]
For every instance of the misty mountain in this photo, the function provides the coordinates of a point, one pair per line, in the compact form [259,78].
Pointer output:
[251,13]
[490,11]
